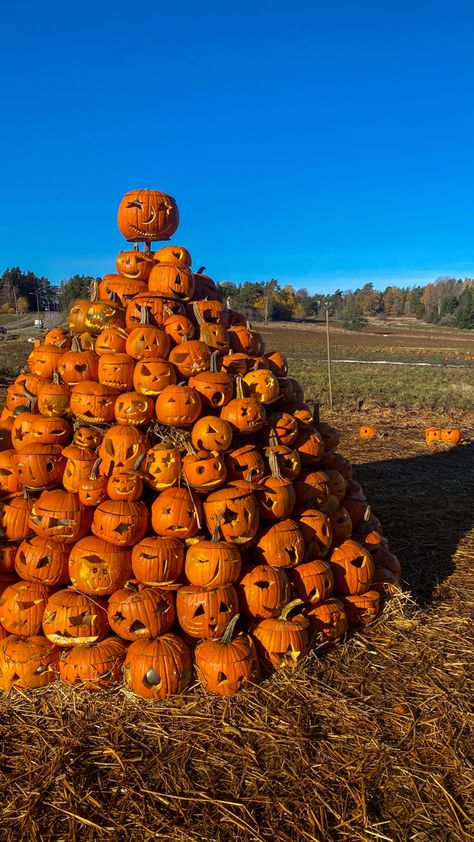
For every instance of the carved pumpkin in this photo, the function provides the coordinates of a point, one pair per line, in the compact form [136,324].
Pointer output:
[158,560]
[120,522]
[40,465]
[204,286]
[116,370]
[53,398]
[177,327]
[71,618]
[275,494]
[44,360]
[7,558]
[212,563]
[206,612]
[41,560]
[147,215]
[87,437]
[317,530]
[147,341]
[60,516]
[215,336]
[245,463]
[310,447]
[278,363]
[263,591]
[9,480]
[93,490]
[173,280]
[178,406]
[173,255]
[190,358]
[57,336]
[367,432]
[341,525]
[211,433]
[236,511]
[137,611]
[93,403]
[215,387]
[134,409]
[282,642]
[207,310]
[123,290]
[244,340]
[432,434]
[27,662]
[22,606]
[93,666]
[451,435]
[313,581]
[98,568]
[353,568]
[280,544]
[312,490]
[30,428]
[159,668]
[160,308]
[78,467]
[204,470]
[161,467]
[120,449]
[75,366]
[362,609]
[14,517]
[113,340]
[176,513]
[153,376]
[225,666]
[261,384]
[328,619]
[282,426]
[125,486]
[104,314]
[135,264]
[244,414]
[77,315]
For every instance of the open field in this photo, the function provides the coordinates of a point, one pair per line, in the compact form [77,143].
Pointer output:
[445,384]
[369,741]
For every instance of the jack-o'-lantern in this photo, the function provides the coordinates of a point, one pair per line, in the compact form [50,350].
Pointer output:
[71,618]
[236,512]
[245,463]
[329,435]
[14,517]
[206,612]
[44,360]
[282,641]
[41,560]
[173,256]
[147,215]
[281,426]
[78,466]
[159,308]
[362,609]
[385,582]
[353,568]
[135,265]
[9,480]
[327,619]
[215,336]
[263,591]
[310,447]
[204,470]
[137,611]
[237,365]
[173,280]
[275,494]
[76,365]
[93,490]
[341,525]
[261,384]
[313,581]
[152,376]
[30,428]
[40,465]
[98,567]
[337,484]
[93,403]
[432,434]
[215,387]
[317,530]
[53,398]
[18,396]
[121,446]
[302,412]
[177,513]
[158,668]
[205,287]
[87,437]
[111,341]
[245,415]
[134,409]
[367,432]
[77,315]
[178,406]
[116,370]
[29,662]
[93,666]
[287,460]
[211,433]
[212,563]
[103,313]
[60,516]
[161,467]
[178,327]
[147,341]
[120,289]
[58,336]
[279,544]
[158,560]
[207,310]
[125,486]
[22,606]
[226,665]
[244,340]
[120,522]
[190,358]
[451,435]
[278,364]
[312,490]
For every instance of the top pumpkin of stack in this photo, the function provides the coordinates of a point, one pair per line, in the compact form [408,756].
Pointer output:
[166,475]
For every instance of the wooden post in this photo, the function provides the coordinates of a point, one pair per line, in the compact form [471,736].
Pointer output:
[329,358]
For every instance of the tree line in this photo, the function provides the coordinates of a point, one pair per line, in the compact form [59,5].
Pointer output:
[446,301]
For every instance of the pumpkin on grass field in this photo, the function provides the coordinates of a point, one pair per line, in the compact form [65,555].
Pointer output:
[169,504]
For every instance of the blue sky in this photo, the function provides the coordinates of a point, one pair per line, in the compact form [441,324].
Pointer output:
[323,144]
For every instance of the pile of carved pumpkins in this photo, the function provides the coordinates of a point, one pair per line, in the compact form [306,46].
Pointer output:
[170,505]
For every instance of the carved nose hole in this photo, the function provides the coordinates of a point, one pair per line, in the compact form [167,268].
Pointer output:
[358,562]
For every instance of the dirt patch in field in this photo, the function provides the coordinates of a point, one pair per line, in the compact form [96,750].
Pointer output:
[368,741]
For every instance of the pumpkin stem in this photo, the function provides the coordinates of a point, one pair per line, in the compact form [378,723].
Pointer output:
[273,438]
[213,362]
[316,418]
[367,514]
[137,465]
[56,378]
[31,397]
[200,270]
[94,291]
[289,608]
[239,387]
[215,532]
[197,313]
[76,343]
[168,310]
[94,474]
[274,465]
[144,315]
[229,632]
[196,512]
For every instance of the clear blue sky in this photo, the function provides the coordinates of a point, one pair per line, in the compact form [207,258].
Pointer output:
[322,143]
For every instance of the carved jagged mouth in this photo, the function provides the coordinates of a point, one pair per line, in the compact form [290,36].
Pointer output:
[149,235]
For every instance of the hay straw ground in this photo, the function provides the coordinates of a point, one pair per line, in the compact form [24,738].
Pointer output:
[369,741]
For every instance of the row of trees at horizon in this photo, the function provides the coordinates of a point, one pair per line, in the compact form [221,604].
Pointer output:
[448,301]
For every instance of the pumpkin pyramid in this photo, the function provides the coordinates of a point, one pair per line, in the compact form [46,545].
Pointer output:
[170,503]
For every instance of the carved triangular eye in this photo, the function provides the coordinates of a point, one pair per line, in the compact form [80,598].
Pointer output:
[146,371]
[358,562]
[221,677]
[223,607]
[199,611]
[109,447]
[210,429]
[262,585]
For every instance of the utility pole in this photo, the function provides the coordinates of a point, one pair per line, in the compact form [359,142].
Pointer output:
[16,307]
[329,357]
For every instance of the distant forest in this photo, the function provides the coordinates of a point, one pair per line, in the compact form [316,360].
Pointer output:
[446,301]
